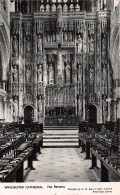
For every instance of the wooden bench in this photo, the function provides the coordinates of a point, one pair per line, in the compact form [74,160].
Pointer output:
[105,166]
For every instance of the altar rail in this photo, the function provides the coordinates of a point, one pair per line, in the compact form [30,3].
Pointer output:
[61,121]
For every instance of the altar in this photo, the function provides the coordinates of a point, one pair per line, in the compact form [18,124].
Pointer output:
[60,106]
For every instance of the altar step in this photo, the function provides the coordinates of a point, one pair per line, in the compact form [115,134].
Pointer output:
[60,136]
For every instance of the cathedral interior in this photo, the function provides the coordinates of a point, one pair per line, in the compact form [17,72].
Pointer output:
[59,90]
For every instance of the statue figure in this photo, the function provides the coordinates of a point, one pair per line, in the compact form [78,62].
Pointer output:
[70,37]
[104,80]
[80,44]
[104,109]
[15,107]
[45,71]
[65,38]
[77,8]
[91,73]
[40,73]
[42,8]
[59,64]
[15,44]
[40,104]
[48,37]
[91,44]
[80,72]
[51,74]
[47,8]
[104,73]
[28,45]
[80,106]
[104,42]
[68,72]
[65,8]
[39,43]
[59,7]
[53,8]
[15,74]
[71,8]
[28,73]
[53,37]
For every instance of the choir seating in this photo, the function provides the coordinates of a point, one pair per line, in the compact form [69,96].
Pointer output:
[104,145]
[15,149]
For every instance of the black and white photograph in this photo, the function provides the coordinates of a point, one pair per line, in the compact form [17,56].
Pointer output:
[60,96]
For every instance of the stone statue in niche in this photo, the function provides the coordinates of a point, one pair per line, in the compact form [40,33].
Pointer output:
[80,72]
[104,73]
[15,74]
[14,89]
[65,37]
[28,44]
[104,42]
[68,72]
[39,46]
[104,109]
[28,73]
[91,44]
[40,73]
[59,8]
[102,4]
[48,37]
[40,104]
[15,107]
[65,8]
[70,37]
[80,105]
[77,8]
[42,8]
[91,72]
[104,80]
[71,8]
[59,68]
[54,36]
[15,44]
[45,71]
[53,8]
[79,44]
[47,8]
[51,74]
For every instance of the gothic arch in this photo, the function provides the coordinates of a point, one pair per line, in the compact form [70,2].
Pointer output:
[92,113]
[28,114]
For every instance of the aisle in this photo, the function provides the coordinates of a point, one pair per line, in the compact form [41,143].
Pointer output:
[61,165]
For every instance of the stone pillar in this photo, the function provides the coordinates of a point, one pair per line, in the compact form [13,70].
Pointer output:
[84,67]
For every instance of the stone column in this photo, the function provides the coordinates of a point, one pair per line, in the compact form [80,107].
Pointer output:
[84,67]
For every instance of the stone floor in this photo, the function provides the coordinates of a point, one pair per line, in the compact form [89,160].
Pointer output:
[61,165]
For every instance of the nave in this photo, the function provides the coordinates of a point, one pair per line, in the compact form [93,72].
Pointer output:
[62,165]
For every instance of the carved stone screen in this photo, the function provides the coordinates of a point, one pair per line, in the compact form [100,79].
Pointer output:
[60,61]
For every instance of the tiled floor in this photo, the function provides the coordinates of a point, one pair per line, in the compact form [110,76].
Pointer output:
[61,165]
